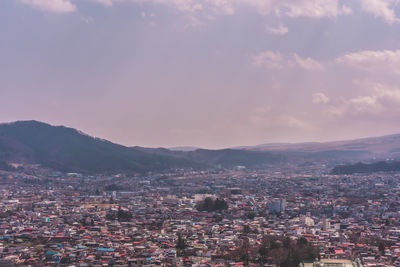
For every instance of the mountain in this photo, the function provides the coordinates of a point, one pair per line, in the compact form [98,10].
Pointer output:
[183,148]
[384,146]
[381,166]
[272,146]
[67,149]
[231,158]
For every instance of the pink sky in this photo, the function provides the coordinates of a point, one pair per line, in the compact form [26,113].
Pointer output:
[203,72]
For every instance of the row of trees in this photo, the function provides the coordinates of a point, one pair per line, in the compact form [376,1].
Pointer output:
[120,215]
[209,204]
[278,250]
[281,251]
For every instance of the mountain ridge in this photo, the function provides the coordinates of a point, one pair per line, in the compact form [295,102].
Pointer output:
[67,149]
[374,144]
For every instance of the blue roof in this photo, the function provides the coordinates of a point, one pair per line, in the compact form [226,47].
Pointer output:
[106,249]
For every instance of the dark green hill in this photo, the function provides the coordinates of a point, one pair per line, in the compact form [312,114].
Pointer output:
[67,149]
[381,166]
[230,157]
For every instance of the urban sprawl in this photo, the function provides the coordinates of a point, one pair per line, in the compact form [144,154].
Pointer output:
[287,216]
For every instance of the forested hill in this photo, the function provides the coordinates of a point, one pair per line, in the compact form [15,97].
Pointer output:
[381,166]
[66,149]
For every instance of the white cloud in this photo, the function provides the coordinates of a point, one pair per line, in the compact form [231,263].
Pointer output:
[291,8]
[280,30]
[362,104]
[269,60]
[298,8]
[267,118]
[290,121]
[382,99]
[275,60]
[188,6]
[386,94]
[320,98]
[57,6]
[381,9]
[307,63]
[104,2]
[87,20]
[224,6]
[346,10]
[384,60]
[313,8]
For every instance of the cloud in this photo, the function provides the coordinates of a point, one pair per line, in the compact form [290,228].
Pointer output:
[386,94]
[362,104]
[291,8]
[320,98]
[381,99]
[104,2]
[368,60]
[269,60]
[223,6]
[276,61]
[87,20]
[280,30]
[267,118]
[383,9]
[313,8]
[298,8]
[292,122]
[56,6]
[307,63]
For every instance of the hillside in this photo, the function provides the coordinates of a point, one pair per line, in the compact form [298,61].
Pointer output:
[67,149]
[381,166]
[384,146]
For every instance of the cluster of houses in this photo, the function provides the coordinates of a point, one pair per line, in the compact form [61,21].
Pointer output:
[51,219]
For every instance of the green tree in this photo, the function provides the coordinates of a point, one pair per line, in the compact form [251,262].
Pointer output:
[180,245]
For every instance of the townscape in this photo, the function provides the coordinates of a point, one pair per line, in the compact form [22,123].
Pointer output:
[282,216]
[200,133]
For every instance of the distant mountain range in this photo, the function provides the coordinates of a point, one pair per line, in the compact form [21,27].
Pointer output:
[388,145]
[66,149]
[183,148]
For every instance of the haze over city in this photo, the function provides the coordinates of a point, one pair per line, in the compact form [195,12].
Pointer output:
[204,73]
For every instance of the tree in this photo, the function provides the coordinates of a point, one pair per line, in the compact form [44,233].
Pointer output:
[220,204]
[381,248]
[180,245]
[246,229]
[123,215]
[208,204]
[263,250]
[251,215]
[302,241]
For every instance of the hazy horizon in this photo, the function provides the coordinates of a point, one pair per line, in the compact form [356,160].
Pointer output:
[185,147]
[210,74]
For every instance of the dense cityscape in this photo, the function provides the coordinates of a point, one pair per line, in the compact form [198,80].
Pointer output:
[283,216]
[200,133]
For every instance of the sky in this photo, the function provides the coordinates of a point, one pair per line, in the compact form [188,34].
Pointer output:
[206,73]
